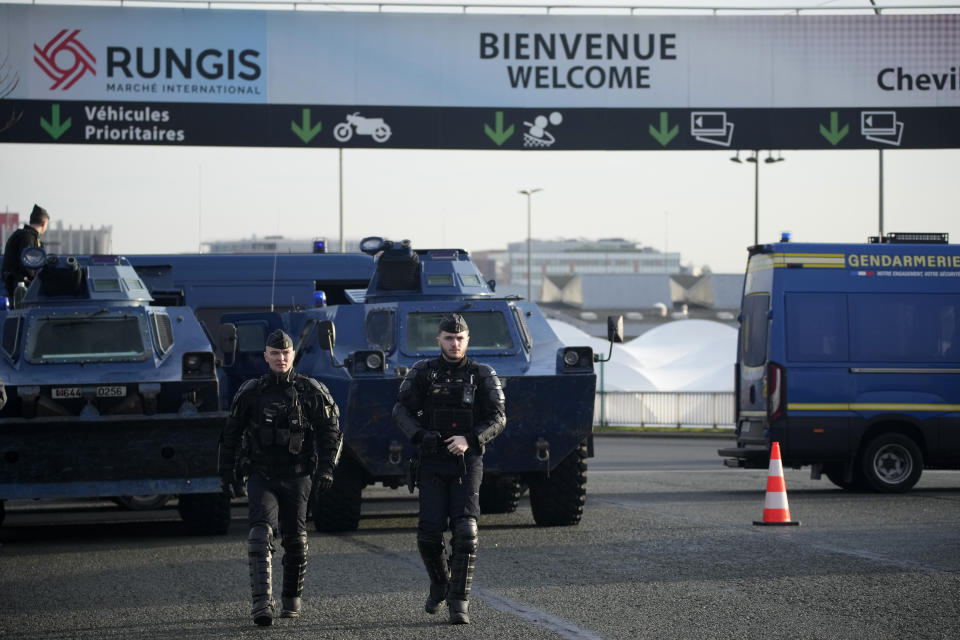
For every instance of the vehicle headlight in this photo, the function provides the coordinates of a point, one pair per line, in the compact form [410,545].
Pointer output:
[374,361]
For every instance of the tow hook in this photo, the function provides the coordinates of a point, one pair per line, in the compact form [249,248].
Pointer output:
[543,452]
[396,452]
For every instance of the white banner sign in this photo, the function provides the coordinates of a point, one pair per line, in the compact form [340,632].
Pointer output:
[443,60]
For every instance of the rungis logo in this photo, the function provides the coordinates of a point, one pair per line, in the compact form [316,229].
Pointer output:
[64,59]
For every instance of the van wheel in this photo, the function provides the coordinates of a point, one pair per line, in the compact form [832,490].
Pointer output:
[892,463]
[338,508]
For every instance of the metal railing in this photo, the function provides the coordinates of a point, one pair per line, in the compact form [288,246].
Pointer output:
[659,408]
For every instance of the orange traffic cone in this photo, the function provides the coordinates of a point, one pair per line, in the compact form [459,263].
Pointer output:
[776,511]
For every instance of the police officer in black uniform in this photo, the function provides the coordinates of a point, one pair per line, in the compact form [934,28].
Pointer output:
[451,407]
[283,434]
[12,271]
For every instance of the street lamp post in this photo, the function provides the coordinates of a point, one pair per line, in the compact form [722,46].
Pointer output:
[755,159]
[529,193]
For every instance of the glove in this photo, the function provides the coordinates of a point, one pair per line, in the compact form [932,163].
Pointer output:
[323,481]
[232,485]
[431,440]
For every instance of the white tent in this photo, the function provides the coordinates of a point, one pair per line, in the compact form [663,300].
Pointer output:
[685,355]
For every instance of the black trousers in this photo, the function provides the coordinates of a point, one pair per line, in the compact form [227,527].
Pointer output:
[280,503]
[449,490]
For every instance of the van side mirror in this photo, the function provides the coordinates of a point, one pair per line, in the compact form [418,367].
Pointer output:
[227,341]
[328,335]
[615,328]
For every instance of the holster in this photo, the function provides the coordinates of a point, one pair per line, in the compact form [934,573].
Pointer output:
[413,471]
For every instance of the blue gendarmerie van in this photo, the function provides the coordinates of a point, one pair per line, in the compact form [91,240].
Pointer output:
[849,357]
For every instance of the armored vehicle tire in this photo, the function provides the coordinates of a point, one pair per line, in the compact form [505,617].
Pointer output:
[143,502]
[338,509]
[892,463]
[205,513]
[500,495]
[558,500]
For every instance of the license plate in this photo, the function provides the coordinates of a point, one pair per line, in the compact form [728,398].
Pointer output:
[114,391]
[107,391]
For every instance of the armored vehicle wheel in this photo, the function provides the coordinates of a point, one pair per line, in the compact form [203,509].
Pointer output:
[205,513]
[892,463]
[559,499]
[500,495]
[339,508]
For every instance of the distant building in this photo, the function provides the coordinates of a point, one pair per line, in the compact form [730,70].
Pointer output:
[553,259]
[60,240]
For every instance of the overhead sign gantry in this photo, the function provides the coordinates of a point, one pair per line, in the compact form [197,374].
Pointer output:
[95,75]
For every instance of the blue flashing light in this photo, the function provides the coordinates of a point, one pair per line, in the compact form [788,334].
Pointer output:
[319,299]
[319,246]
[785,236]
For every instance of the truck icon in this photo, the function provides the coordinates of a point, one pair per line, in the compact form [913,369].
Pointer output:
[375,127]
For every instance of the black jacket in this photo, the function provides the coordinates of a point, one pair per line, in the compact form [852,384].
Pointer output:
[12,271]
[411,413]
[281,426]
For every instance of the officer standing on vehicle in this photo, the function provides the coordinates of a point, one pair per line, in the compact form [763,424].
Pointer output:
[451,407]
[283,434]
[13,271]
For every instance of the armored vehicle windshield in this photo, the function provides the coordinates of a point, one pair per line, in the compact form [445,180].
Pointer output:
[93,337]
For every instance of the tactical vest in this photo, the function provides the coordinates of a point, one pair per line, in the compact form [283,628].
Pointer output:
[278,439]
[449,405]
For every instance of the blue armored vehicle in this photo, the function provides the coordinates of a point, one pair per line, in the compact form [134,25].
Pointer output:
[362,347]
[108,394]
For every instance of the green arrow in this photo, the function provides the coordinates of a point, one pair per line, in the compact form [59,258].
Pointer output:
[304,131]
[662,135]
[498,135]
[55,128]
[834,135]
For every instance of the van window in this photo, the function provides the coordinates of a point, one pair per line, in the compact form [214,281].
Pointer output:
[905,327]
[753,330]
[251,336]
[816,327]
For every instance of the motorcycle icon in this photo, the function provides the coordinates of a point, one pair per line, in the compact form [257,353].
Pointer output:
[375,127]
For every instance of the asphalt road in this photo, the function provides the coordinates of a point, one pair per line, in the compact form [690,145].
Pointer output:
[666,549]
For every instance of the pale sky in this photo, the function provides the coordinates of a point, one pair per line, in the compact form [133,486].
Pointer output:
[166,199]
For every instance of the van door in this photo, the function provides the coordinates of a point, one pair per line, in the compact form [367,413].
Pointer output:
[752,360]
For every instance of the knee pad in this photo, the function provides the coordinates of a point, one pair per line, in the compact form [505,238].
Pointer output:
[295,546]
[260,538]
[430,542]
[465,535]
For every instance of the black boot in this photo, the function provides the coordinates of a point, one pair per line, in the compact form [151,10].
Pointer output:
[259,552]
[462,562]
[294,571]
[461,577]
[431,551]
[458,611]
